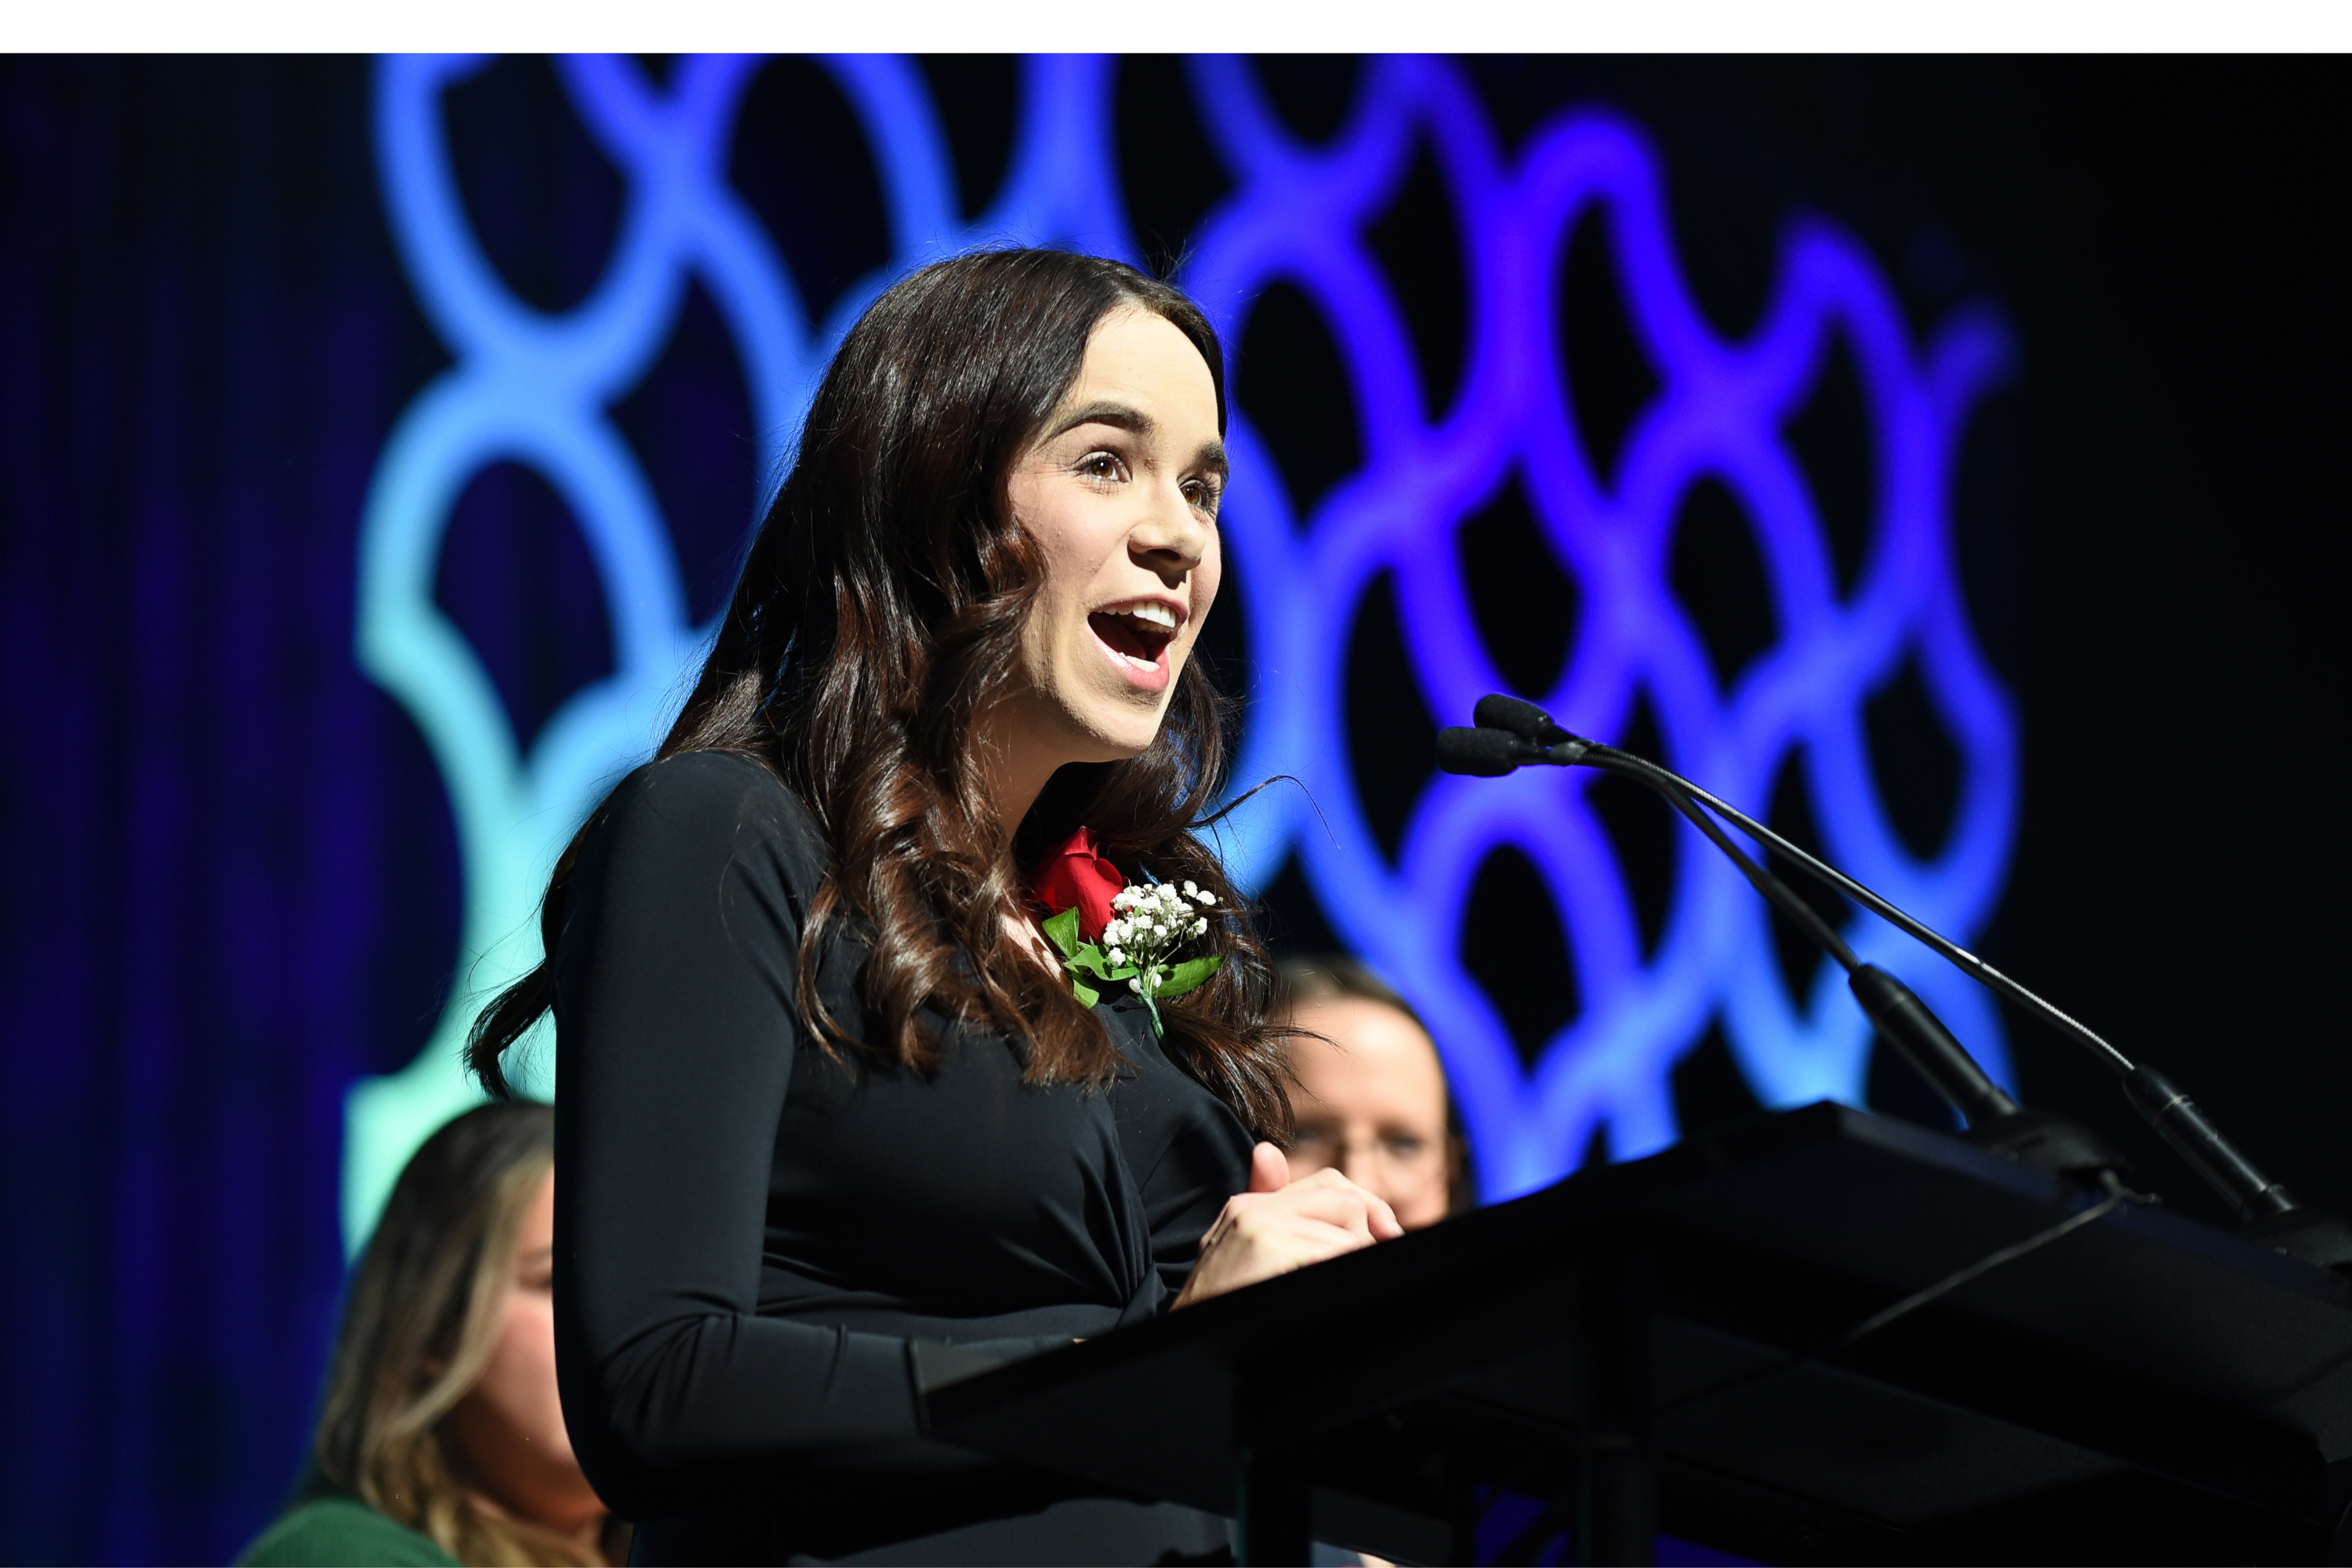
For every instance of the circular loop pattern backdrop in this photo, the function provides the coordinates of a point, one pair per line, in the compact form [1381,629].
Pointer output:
[537,389]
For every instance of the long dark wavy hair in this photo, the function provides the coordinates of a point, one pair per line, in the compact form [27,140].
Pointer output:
[877,618]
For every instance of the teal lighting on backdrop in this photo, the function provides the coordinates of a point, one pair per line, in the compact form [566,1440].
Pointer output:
[536,389]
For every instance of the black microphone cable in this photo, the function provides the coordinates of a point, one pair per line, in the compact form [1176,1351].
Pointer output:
[1908,1023]
[1512,733]
[1491,749]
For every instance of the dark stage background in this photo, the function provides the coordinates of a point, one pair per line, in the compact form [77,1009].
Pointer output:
[232,875]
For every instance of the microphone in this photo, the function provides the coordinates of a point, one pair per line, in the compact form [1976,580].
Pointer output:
[1484,753]
[2272,1215]
[1513,733]
[1930,1047]
[1524,720]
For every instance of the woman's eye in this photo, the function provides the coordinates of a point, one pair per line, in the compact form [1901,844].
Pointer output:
[1101,466]
[1405,1148]
[1203,495]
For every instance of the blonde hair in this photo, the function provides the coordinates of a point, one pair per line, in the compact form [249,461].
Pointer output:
[420,1322]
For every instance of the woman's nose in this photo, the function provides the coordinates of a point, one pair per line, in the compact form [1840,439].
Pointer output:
[1173,540]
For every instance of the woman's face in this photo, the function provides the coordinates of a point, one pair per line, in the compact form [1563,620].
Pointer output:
[1370,1100]
[506,1436]
[1120,492]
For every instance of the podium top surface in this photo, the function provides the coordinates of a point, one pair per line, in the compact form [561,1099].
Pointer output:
[2138,1343]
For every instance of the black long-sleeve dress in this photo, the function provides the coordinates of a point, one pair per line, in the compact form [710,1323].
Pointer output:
[749,1232]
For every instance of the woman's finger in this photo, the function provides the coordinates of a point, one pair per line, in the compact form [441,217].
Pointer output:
[1350,1212]
[1283,1247]
[1380,1218]
[1336,1202]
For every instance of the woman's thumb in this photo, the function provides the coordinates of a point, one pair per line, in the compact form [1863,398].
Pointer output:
[1269,1172]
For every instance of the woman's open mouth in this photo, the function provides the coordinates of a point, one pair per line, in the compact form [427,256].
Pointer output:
[1138,635]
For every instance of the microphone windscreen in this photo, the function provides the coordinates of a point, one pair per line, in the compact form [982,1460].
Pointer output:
[1482,752]
[1524,720]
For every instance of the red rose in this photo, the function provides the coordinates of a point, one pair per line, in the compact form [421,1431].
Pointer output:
[1075,878]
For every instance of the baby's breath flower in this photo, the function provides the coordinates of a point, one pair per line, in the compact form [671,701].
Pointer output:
[1148,933]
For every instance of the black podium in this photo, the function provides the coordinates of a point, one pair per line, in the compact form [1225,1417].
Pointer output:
[1671,1345]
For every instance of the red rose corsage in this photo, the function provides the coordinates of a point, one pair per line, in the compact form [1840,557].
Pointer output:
[1108,929]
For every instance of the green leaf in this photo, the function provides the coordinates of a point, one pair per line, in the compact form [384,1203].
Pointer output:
[1188,975]
[1062,932]
[1086,994]
[1091,960]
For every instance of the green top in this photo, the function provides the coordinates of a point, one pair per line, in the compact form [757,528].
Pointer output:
[341,1532]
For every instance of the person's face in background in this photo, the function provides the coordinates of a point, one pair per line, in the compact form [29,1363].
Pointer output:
[507,1438]
[1373,1104]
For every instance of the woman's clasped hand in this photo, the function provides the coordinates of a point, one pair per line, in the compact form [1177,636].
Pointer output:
[1280,1225]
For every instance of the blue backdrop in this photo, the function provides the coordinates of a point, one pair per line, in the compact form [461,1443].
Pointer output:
[377,437]
[1507,433]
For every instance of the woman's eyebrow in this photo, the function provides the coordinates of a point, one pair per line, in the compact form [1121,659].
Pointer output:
[1119,415]
[1123,416]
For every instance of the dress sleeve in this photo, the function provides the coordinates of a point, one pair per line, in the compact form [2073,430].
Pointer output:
[676,1030]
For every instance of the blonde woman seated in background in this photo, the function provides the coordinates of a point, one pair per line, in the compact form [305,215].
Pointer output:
[1370,1099]
[441,1439]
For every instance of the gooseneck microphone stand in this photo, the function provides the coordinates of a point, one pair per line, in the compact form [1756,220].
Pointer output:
[1511,734]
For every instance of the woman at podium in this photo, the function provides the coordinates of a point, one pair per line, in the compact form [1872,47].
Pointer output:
[898,1000]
